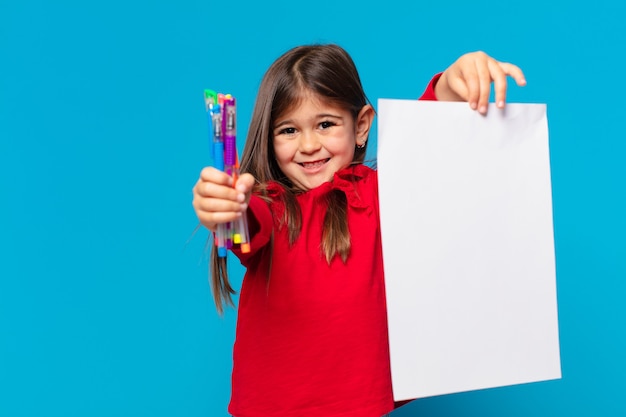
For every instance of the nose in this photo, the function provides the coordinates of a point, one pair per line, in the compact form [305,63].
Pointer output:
[309,143]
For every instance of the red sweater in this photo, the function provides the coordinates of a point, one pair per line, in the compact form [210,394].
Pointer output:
[312,338]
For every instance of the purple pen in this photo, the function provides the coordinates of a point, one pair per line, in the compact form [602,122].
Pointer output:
[230,152]
[230,135]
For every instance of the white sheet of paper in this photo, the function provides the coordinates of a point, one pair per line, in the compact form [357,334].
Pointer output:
[466,218]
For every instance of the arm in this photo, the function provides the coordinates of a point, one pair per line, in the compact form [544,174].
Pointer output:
[429,93]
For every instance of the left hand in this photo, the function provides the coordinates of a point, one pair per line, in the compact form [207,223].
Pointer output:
[469,79]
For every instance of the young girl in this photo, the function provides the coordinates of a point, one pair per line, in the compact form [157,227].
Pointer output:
[311,334]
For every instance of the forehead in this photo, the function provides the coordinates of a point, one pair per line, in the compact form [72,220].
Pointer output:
[309,102]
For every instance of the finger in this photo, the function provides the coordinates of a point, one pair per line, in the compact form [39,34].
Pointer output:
[484,78]
[214,175]
[245,183]
[472,83]
[217,205]
[206,189]
[499,82]
[210,220]
[515,72]
[212,211]
[454,89]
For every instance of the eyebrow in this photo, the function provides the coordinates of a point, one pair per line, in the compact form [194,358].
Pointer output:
[317,116]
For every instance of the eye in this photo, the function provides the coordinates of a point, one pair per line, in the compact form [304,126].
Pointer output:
[287,131]
[327,124]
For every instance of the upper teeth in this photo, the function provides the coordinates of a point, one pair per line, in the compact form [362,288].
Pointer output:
[312,164]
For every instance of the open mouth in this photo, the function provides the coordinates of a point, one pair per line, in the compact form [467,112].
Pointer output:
[314,164]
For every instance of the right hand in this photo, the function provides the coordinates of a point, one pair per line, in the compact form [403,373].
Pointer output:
[216,201]
[470,77]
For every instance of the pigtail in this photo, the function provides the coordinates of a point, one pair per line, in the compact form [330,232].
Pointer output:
[220,285]
[292,216]
[336,234]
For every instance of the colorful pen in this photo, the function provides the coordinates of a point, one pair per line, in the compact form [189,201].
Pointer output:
[217,148]
[223,119]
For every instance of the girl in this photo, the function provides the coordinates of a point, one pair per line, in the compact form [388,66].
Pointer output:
[311,334]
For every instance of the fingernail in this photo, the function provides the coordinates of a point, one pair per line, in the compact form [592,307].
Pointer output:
[500,104]
[473,105]
[483,109]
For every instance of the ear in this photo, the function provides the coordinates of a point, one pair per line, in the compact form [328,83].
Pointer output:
[363,123]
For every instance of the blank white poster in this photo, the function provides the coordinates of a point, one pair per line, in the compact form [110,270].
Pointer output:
[466,218]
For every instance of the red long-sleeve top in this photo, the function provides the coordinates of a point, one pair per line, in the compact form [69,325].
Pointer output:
[311,337]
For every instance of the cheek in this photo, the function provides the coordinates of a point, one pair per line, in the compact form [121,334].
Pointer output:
[283,151]
[344,147]
[279,148]
[350,156]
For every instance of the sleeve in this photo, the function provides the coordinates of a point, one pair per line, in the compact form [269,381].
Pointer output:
[429,93]
[260,226]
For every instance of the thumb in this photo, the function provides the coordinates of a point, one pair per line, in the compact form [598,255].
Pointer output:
[244,185]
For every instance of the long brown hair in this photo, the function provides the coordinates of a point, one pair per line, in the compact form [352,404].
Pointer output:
[329,72]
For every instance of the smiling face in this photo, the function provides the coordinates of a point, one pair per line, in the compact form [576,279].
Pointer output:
[315,138]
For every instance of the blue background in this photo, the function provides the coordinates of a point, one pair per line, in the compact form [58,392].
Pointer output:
[105,308]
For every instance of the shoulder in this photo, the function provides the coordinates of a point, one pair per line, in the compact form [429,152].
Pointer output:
[358,173]
[360,184]
[362,177]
